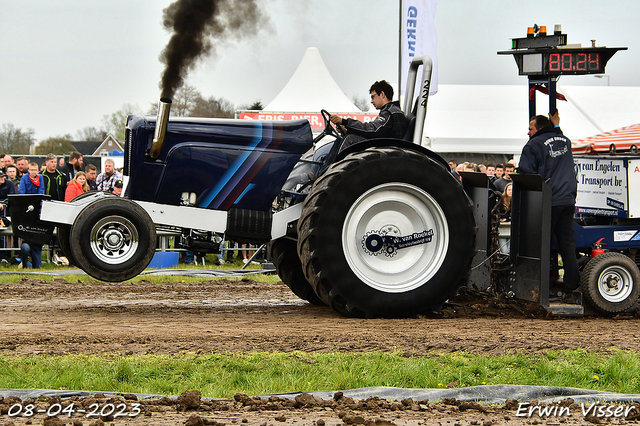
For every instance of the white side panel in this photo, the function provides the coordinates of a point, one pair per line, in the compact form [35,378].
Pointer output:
[162,214]
[186,217]
[282,218]
[60,212]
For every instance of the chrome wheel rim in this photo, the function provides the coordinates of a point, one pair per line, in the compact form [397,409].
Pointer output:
[114,239]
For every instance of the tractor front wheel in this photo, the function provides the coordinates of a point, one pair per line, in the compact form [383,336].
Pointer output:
[113,239]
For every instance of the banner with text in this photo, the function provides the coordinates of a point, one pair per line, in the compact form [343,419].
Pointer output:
[315,118]
[419,36]
[602,187]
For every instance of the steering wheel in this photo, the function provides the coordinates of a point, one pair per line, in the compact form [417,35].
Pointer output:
[329,127]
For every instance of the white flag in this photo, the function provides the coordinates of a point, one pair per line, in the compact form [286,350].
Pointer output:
[418,37]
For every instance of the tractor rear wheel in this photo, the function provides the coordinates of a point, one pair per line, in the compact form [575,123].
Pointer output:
[386,232]
[611,282]
[289,269]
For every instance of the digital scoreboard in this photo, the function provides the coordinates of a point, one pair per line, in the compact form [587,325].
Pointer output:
[575,61]
[548,55]
[543,58]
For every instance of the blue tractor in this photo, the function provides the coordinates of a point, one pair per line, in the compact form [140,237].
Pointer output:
[381,229]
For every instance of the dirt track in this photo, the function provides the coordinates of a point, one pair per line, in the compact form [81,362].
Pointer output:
[92,317]
[58,317]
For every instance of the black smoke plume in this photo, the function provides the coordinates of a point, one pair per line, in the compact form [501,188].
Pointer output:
[196,27]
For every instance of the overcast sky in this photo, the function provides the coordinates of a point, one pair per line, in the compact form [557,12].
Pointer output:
[64,64]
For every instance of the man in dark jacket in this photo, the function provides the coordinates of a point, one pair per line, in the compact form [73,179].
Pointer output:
[548,153]
[6,188]
[390,123]
[55,183]
[91,172]
[73,166]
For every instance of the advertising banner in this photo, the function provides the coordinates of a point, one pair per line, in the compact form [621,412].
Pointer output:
[418,37]
[602,187]
[315,118]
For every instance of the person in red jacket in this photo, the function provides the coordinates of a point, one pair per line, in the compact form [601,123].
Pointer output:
[77,186]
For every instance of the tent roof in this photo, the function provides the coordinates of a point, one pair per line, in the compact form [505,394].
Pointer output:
[623,139]
[311,88]
[494,119]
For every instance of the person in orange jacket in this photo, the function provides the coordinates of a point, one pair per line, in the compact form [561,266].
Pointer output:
[77,186]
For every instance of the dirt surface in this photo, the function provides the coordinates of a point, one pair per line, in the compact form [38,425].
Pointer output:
[191,410]
[91,317]
[59,317]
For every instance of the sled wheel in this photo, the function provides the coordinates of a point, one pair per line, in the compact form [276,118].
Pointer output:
[64,231]
[611,282]
[612,149]
[289,269]
[634,149]
[113,239]
[380,193]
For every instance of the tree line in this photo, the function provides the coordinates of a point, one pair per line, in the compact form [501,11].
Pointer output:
[187,102]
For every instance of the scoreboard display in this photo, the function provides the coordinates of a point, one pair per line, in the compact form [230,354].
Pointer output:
[545,55]
[563,61]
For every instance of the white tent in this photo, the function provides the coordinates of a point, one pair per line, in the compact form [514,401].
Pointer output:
[495,119]
[310,89]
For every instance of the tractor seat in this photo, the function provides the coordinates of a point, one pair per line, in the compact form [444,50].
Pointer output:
[411,127]
[411,121]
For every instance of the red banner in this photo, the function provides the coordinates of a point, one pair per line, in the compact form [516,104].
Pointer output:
[315,119]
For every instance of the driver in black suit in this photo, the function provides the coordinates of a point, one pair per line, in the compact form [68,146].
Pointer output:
[390,122]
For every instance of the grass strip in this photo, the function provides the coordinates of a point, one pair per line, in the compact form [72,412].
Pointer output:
[221,375]
[12,274]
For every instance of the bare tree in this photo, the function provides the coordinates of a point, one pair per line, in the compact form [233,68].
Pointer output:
[189,102]
[361,103]
[16,141]
[184,101]
[116,122]
[90,133]
[212,107]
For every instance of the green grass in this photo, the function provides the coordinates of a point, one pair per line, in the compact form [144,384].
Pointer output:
[224,374]
[11,271]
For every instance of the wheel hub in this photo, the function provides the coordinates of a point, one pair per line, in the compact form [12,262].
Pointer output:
[395,237]
[615,284]
[114,239]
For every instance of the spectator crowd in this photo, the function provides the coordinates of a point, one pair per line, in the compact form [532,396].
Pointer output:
[499,178]
[61,180]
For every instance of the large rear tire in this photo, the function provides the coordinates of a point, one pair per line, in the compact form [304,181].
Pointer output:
[289,268]
[611,282]
[113,239]
[380,193]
